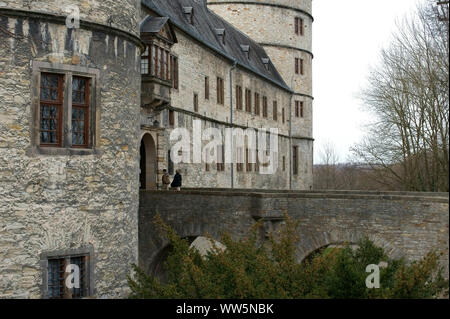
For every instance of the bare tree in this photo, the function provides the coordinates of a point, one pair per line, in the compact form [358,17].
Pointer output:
[408,143]
[326,174]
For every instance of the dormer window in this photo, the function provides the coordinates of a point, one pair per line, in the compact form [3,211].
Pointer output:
[266,61]
[221,35]
[246,50]
[189,12]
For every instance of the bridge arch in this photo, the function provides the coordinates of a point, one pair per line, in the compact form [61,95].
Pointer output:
[314,242]
[201,243]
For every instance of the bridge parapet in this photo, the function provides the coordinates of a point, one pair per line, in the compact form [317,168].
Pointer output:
[405,224]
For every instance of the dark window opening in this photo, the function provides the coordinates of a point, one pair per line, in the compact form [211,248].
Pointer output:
[171,118]
[239,163]
[51,105]
[80,111]
[238,97]
[257,106]
[275,111]
[299,26]
[57,277]
[195,102]
[249,166]
[221,158]
[248,100]
[257,161]
[174,71]
[265,108]
[220,91]
[295,160]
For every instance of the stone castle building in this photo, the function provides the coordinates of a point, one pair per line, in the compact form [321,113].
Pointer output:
[86,113]
[228,79]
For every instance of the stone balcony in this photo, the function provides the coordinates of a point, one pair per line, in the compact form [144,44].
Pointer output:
[148,121]
[155,93]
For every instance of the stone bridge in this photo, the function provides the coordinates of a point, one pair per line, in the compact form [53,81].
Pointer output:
[404,224]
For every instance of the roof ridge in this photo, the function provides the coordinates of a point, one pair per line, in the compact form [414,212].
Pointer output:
[249,38]
[237,30]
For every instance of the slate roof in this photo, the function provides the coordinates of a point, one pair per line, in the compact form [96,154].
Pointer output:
[205,29]
[153,24]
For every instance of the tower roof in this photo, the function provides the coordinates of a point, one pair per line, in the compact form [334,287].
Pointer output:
[204,29]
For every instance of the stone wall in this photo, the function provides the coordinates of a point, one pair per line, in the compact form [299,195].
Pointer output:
[197,62]
[405,224]
[66,199]
[122,14]
[262,21]
[196,175]
[304,5]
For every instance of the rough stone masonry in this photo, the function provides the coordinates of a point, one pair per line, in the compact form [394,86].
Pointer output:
[69,200]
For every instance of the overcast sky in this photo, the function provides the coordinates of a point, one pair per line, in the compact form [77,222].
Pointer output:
[347,38]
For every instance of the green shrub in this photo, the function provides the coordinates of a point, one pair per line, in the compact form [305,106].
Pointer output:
[247,269]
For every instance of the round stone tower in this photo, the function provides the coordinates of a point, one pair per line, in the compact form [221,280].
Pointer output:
[284,29]
[69,145]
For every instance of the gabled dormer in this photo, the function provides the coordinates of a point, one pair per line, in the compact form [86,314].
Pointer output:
[246,49]
[157,27]
[189,13]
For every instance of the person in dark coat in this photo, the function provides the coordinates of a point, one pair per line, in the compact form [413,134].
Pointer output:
[177,179]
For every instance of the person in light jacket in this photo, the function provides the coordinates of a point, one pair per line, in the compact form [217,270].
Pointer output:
[165,180]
